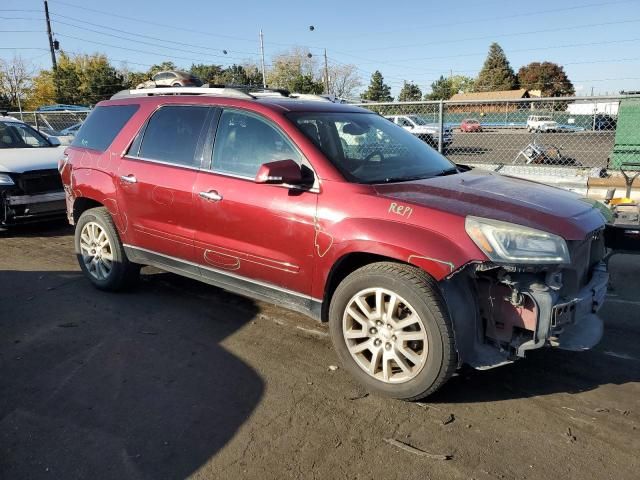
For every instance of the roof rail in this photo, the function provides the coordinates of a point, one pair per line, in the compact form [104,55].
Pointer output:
[236,91]
[216,91]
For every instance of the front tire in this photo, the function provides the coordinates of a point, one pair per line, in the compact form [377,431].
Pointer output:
[391,330]
[100,252]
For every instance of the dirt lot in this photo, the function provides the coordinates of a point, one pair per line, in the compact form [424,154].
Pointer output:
[180,379]
[591,149]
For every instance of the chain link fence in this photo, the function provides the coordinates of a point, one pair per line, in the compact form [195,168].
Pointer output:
[549,136]
[53,123]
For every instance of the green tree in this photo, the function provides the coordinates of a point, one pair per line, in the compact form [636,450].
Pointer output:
[206,73]
[496,73]
[161,67]
[461,84]
[440,89]
[239,75]
[409,92]
[548,77]
[377,91]
[86,79]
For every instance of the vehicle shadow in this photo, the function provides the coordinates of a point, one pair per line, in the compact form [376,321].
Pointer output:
[103,385]
[615,361]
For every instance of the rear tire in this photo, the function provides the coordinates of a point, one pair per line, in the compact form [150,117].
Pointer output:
[100,252]
[391,330]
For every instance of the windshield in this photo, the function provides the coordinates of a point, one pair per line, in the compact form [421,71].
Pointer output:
[368,148]
[19,135]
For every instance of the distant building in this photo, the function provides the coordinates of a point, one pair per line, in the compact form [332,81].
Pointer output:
[497,101]
[588,107]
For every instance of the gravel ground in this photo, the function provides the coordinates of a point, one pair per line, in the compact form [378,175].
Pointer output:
[178,379]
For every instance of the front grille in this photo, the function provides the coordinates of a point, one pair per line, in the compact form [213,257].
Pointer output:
[40,181]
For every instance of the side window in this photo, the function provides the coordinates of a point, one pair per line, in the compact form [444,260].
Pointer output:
[403,122]
[172,135]
[102,126]
[244,142]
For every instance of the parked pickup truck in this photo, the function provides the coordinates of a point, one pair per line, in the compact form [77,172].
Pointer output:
[424,130]
[418,265]
[30,184]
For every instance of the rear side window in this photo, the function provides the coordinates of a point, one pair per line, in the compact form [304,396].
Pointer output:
[172,135]
[102,126]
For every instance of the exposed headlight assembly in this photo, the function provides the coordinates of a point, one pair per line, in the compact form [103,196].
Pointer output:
[5,179]
[505,242]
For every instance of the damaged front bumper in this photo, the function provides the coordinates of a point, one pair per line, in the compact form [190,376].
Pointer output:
[570,325]
[498,316]
[20,208]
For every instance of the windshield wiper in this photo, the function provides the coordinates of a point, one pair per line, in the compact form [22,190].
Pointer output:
[447,171]
[402,179]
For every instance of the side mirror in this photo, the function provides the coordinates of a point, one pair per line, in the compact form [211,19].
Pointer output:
[54,141]
[280,172]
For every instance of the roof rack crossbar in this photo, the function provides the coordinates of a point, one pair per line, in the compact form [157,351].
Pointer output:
[216,91]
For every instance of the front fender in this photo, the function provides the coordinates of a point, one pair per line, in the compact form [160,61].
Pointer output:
[434,252]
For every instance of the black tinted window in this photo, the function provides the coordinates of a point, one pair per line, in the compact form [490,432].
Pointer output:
[172,134]
[244,142]
[102,126]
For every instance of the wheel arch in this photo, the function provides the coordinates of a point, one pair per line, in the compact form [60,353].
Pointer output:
[81,205]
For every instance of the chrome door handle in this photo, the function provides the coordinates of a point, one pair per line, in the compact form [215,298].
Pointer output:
[211,195]
[129,178]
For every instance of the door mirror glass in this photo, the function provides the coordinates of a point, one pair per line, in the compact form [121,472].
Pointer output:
[280,172]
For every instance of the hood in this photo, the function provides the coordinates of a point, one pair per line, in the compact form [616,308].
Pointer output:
[19,160]
[491,195]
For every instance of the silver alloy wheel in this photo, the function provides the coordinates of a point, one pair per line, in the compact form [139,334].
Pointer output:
[96,251]
[385,335]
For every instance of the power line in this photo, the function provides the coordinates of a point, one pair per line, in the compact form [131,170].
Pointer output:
[499,35]
[172,42]
[526,14]
[147,52]
[211,55]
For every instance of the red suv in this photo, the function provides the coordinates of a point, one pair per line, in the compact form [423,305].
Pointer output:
[418,265]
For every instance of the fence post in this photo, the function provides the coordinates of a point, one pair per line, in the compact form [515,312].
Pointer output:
[440,124]
[35,116]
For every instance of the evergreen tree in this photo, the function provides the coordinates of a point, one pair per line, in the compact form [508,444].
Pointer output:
[440,90]
[410,92]
[378,91]
[496,73]
[547,77]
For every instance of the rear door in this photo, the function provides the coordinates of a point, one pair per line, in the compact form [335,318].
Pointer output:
[257,232]
[156,178]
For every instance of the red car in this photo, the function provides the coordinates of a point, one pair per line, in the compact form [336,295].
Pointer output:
[470,125]
[418,265]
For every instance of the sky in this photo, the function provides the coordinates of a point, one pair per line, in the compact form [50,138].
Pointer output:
[596,42]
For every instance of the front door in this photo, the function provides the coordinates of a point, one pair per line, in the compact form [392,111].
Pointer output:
[156,178]
[256,232]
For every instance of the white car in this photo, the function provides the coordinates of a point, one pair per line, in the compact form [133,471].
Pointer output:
[421,128]
[542,123]
[30,184]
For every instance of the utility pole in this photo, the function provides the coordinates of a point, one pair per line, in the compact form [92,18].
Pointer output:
[53,53]
[326,73]
[17,87]
[264,77]
[54,63]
